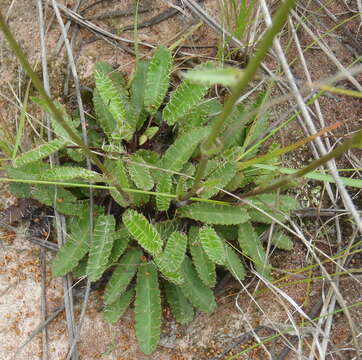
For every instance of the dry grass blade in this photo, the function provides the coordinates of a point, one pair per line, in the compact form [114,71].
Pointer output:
[92,27]
[273,314]
[60,220]
[198,11]
[331,166]
[35,332]
[334,294]
[204,16]
[359,5]
[89,167]
[330,55]
[349,37]
[45,337]
[331,300]
[311,127]
[60,43]
[336,291]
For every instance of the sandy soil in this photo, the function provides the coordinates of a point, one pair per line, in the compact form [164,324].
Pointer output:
[209,334]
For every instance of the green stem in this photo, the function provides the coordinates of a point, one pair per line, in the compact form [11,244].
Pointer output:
[251,69]
[198,177]
[54,110]
[339,150]
[107,187]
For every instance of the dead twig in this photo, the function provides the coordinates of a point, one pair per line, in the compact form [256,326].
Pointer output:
[319,212]
[164,15]
[87,8]
[312,314]
[92,27]
[60,43]
[60,219]
[45,244]
[45,339]
[89,166]
[35,332]
[236,342]
[118,13]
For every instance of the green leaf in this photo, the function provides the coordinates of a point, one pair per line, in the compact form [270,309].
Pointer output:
[166,228]
[259,125]
[27,172]
[120,242]
[112,313]
[145,233]
[113,74]
[173,255]
[151,157]
[62,200]
[116,99]
[116,168]
[122,275]
[198,115]
[40,152]
[101,246]
[275,205]
[76,155]
[181,187]
[204,266]
[6,148]
[315,175]
[139,200]
[234,129]
[211,166]
[63,173]
[251,245]
[233,264]
[227,76]
[180,152]
[157,79]
[214,213]
[223,176]
[110,97]
[195,290]
[103,116]
[181,308]
[228,232]
[148,134]
[174,277]
[282,240]
[163,186]
[147,308]
[56,126]
[46,194]
[73,209]
[20,190]
[138,90]
[119,198]
[212,244]
[74,249]
[186,96]
[80,271]
[140,173]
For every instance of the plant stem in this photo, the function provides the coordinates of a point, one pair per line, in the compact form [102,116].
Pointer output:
[107,187]
[54,110]
[198,177]
[339,150]
[251,69]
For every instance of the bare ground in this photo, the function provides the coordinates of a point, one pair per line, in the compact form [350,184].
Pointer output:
[208,335]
